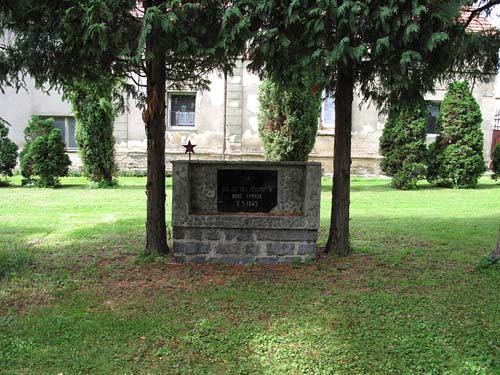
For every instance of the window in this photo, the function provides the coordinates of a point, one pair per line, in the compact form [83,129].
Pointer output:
[432,117]
[182,108]
[328,113]
[66,124]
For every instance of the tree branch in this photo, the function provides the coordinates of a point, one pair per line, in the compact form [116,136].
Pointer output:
[132,78]
[475,12]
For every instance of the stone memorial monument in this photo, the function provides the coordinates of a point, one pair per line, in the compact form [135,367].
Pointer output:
[245,212]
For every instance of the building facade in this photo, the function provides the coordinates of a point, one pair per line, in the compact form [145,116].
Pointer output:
[222,123]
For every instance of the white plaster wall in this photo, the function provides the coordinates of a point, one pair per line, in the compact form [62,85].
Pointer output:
[366,129]
[209,121]
[251,142]
[208,133]
[366,125]
[17,108]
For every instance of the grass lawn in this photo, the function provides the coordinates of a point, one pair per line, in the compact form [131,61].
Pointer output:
[77,296]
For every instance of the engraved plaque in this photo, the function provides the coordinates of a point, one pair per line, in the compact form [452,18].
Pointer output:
[242,190]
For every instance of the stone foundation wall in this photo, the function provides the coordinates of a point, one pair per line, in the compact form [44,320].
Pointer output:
[286,234]
[360,166]
[243,245]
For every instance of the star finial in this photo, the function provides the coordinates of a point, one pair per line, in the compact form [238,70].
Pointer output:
[189,148]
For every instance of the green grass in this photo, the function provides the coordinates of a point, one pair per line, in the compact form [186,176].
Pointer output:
[78,297]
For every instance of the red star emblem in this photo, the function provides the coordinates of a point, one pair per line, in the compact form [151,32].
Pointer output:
[189,148]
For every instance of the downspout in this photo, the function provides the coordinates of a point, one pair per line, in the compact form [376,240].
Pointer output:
[225,118]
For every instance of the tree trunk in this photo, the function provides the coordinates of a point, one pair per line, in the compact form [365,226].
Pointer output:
[338,239]
[154,118]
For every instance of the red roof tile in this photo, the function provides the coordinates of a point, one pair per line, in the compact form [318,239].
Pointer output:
[478,24]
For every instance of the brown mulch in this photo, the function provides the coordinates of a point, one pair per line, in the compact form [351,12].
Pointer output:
[155,277]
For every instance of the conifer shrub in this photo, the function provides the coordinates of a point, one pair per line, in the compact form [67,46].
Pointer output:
[495,163]
[8,154]
[288,121]
[402,145]
[456,158]
[43,159]
[94,114]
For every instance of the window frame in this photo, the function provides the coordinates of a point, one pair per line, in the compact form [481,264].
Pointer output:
[66,129]
[169,105]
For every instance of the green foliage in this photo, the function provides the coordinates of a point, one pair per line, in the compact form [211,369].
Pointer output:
[94,115]
[8,152]
[288,121]
[408,176]
[381,49]
[104,184]
[496,162]
[456,158]
[166,42]
[403,145]
[43,159]
[91,40]
[136,173]
[392,48]
[489,262]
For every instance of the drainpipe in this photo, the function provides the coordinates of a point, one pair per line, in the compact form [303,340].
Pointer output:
[225,118]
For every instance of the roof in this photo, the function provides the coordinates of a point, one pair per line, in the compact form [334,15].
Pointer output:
[478,24]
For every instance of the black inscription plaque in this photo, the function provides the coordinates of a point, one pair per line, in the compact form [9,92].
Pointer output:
[242,190]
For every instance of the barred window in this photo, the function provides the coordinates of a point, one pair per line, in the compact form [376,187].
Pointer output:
[182,108]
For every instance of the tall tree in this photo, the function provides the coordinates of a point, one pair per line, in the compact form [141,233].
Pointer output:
[383,49]
[456,157]
[147,43]
[93,110]
[288,120]
[402,144]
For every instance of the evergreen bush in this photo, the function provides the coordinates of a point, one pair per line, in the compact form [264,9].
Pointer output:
[8,152]
[456,158]
[288,121]
[93,110]
[43,159]
[495,167]
[402,145]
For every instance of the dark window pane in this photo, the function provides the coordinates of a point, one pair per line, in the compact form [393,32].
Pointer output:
[71,132]
[59,124]
[182,110]
[432,117]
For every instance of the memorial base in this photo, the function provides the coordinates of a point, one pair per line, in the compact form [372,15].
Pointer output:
[245,212]
[243,246]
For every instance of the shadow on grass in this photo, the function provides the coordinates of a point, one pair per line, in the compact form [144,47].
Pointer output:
[298,326]
[15,253]
[14,261]
[23,246]
[117,229]
[371,234]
